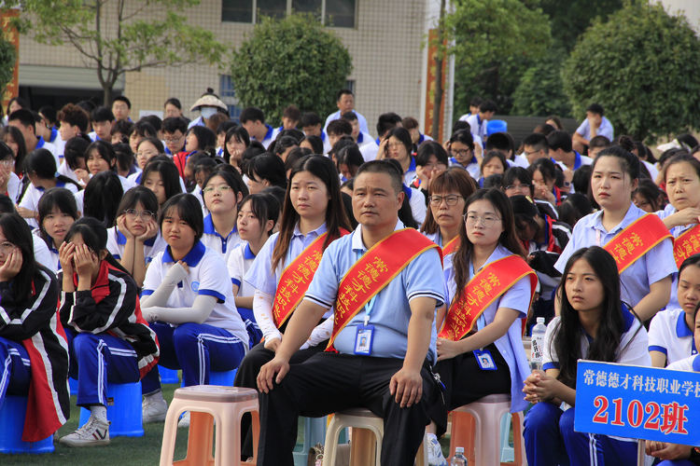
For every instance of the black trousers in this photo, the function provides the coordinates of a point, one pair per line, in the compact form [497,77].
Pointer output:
[247,376]
[329,382]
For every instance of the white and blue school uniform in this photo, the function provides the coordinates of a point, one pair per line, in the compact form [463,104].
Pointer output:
[579,161]
[510,345]
[42,144]
[13,187]
[688,364]
[478,126]
[263,278]
[669,334]
[411,172]
[199,121]
[214,241]
[368,147]
[416,200]
[606,129]
[267,140]
[472,167]
[360,118]
[239,262]
[518,161]
[45,254]
[220,342]
[390,312]
[116,243]
[675,232]
[33,194]
[549,432]
[635,281]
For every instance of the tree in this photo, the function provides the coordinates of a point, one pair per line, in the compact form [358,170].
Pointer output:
[293,60]
[541,90]
[8,56]
[493,40]
[643,66]
[570,18]
[117,36]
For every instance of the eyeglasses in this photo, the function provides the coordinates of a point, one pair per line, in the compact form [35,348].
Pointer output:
[172,140]
[222,189]
[7,163]
[435,166]
[460,152]
[450,200]
[144,214]
[487,220]
[7,247]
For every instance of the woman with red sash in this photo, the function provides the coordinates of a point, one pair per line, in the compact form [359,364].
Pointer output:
[447,199]
[108,338]
[312,217]
[681,177]
[490,289]
[33,348]
[639,242]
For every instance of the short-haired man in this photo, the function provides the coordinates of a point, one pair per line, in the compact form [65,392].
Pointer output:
[25,122]
[102,119]
[479,122]
[368,146]
[345,101]
[594,125]
[121,106]
[312,125]
[174,129]
[73,122]
[337,129]
[46,124]
[253,120]
[382,346]
[597,144]
[504,143]
[535,147]
[561,150]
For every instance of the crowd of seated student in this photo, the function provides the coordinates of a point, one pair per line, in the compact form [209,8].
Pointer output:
[193,245]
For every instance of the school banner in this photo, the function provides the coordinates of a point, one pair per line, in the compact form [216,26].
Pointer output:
[638,402]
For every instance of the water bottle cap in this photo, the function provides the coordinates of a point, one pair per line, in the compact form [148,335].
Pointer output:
[540,320]
[459,450]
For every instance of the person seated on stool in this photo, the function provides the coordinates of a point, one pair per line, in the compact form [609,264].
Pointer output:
[388,295]
[33,348]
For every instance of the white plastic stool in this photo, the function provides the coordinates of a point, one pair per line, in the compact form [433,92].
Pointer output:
[362,419]
[487,413]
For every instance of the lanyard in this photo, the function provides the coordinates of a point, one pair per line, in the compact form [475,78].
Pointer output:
[370,304]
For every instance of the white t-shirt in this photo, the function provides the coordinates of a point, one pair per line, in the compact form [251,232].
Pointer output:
[670,335]
[32,195]
[239,262]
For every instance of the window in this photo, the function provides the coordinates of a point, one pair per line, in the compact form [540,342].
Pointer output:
[228,96]
[350,85]
[333,13]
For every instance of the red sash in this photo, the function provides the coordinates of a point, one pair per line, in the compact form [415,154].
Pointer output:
[636,240]
[686,245]
[481,291]
[374,271]
[296,278]
[451,247]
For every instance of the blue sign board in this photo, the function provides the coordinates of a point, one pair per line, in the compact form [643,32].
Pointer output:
[638,402]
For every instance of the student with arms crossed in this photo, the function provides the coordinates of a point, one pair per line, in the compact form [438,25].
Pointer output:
[383,344]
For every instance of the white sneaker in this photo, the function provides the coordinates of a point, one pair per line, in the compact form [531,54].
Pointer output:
[153,408]
[95,432]
[184,421]
[435,456]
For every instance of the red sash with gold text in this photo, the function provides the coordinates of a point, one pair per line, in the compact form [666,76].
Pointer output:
[483,289]
[296,278]
[636,240]
[373,271]
[686,245]
[451,247]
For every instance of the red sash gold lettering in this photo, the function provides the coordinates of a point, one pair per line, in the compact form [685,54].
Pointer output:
[686,245]
[636,240]
[373,271]
[296,278]
[482,290]
[451,247]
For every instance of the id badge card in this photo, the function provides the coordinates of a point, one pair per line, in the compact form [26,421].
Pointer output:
[485,360]
[363,340]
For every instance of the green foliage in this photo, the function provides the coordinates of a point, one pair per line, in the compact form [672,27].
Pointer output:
[570,18]
[643,66]
[495,41]
[7,63]
[541,91]
[290,61]
[114,37]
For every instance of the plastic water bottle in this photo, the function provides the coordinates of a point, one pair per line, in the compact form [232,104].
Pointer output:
[458,459]
[537,344]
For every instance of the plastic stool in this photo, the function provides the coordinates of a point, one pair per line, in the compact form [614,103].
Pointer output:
[507,452]
[206,404]
[73,385]
[314,433]
[362,419]
[496,126]
[168,375]
[481,435]
[12,416]
[224,379]
[123,410]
